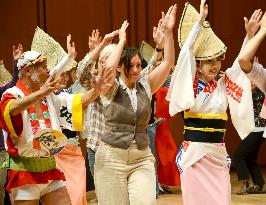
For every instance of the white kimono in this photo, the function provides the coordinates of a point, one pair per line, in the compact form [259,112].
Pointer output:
[233,90]
[65,110]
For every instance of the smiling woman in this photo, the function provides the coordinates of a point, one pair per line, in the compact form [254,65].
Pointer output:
[208,69]
[130,66]
[124,166]
[203,155]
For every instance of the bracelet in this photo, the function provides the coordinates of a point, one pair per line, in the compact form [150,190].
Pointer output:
[159,49]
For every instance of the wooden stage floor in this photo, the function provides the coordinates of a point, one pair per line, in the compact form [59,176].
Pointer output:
[176,199]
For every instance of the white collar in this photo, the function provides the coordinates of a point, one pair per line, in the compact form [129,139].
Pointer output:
[124,86]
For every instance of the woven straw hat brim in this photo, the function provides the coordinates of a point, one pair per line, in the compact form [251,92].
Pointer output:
[208,45]
[50,48]
[5,76]
[146,51]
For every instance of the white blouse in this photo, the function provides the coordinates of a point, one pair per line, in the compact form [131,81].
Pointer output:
[132,93]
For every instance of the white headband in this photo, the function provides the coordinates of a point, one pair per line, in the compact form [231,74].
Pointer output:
[28,58]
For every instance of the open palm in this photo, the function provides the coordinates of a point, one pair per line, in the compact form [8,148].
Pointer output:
[168,20]
[71,47]
[17,52]
[252,25]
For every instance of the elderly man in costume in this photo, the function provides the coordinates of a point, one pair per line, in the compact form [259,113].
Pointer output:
[33,115]
[202,159]
[70,160]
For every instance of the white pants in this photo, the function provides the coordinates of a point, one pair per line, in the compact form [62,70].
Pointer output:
[124,176]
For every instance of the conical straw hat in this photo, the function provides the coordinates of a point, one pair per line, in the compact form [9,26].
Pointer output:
[45,44]
[146,51]
[5,76]
[208,45]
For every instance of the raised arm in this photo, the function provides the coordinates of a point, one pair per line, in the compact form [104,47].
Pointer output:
[101,83]
[49,86]
[71,54]
[158,37]
[203,12]
[85,66]
[94,40]
[94,53]
[160,73]
[193,34]
[24,103]
[248,53]
[17,52]
[113,60]
[251,27]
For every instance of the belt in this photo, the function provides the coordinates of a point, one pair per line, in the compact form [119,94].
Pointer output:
[204,127]
[30,164]
[198,135]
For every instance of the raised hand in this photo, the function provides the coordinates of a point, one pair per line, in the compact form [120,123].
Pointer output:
[17,52]
[158,35]
[71,49]
[122,31]
[51,84]
[263,22]
[109,37]
[105,80]
[168,20]
[94,39]
[252,25]
[203,11]
[256,59]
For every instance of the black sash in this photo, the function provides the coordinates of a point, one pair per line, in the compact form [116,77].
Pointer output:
[201,135]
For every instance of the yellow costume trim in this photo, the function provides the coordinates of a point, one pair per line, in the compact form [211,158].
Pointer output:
[77,112]
[205,129]
[8,119]
[40,59]
[215,116]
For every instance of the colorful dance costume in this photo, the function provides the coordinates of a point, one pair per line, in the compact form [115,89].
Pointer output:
[202,159]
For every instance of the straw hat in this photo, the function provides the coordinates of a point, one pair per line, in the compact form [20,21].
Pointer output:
[146,51]
[208,45]
[45,44]
[5,76]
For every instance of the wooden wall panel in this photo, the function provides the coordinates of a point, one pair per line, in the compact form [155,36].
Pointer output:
[78,18]
[227,21]
[17,22]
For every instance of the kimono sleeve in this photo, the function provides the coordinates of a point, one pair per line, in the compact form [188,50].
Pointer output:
[69,110]
[181,93]
[238,89]
[11,124]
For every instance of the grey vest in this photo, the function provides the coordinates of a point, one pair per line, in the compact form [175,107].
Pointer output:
[122,124]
